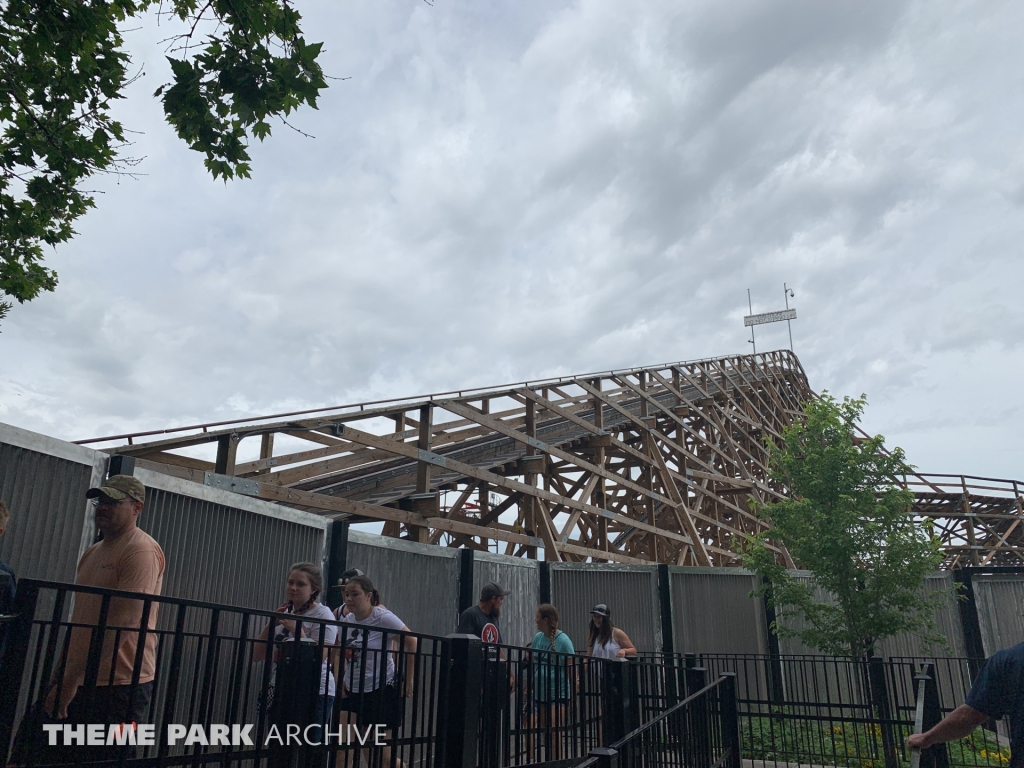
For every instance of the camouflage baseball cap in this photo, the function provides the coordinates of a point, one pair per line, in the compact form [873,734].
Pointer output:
[119,487]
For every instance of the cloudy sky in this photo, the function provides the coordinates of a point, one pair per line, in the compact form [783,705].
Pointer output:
[502,191]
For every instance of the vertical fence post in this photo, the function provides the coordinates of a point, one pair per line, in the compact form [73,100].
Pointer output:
[776,693]
[668,645]
[697,718]
[121,465]
[695,679]
[613,701]
[668,648]
[296,692]
[730,719]
[936,756]
[970,623]
[632,689]
[606,758]
[461,687]
[883,713]
[620,699]
[545,582]
[337,561]
[466,579]
[16,654]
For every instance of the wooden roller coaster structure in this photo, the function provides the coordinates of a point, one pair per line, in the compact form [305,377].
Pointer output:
[657,464]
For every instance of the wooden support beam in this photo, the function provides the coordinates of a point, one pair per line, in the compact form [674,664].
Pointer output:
[535,444]
[529,505]
[668,452]
[227,449]
[418,533]
[681,510]
[468,470]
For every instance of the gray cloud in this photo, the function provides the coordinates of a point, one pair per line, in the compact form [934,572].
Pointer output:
[502,192]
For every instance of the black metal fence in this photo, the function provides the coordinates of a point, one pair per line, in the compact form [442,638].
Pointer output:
[542,706]
[701,731]
[232,683]
[824,710]
[227,685]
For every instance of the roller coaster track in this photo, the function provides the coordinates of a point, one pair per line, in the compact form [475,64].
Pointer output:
[977,519]
[653,464]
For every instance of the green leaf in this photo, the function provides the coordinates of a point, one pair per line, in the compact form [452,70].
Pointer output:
[848,521]
[65,62]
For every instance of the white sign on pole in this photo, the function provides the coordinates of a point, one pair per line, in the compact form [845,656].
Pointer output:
[770,317]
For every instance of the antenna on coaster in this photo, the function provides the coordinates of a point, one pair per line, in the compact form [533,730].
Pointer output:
[786,314]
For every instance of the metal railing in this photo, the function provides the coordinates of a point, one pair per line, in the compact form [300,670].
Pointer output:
[779,362]
[972,485]
[216,666]
[194,665]
[449,701]
[825,710]
[543,706]
[701,731]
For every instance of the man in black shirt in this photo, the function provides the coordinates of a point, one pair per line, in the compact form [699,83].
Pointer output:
[482,619]
[997,691]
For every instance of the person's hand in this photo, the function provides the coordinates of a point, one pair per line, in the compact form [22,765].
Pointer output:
[620,654]
[918,741]
[288,624]
[62,705]
[407,692]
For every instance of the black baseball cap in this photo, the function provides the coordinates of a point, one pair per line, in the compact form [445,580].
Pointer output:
[491,590]
[600,610]
[351,573]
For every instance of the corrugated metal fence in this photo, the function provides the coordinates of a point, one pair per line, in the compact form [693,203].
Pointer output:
[222,547]
[219,546]
[629,591]
[521,578]
[947,619]
[43,482]
[232,549]
[1000,604]
[713,612]
[419,583]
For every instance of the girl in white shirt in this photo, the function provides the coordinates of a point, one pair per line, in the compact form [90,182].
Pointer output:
[302,592]
[372,691]
[606,640]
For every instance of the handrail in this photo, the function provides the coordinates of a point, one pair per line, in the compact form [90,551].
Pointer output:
[921,482]
[915,752]
[184,602]
[667,713]
[432,396]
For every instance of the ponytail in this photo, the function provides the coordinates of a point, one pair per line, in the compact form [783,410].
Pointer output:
[549,612]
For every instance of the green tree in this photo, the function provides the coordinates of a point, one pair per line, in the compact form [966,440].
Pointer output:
[235,65]
[848,521]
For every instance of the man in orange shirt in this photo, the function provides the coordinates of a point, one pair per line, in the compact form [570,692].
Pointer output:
[127,558]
